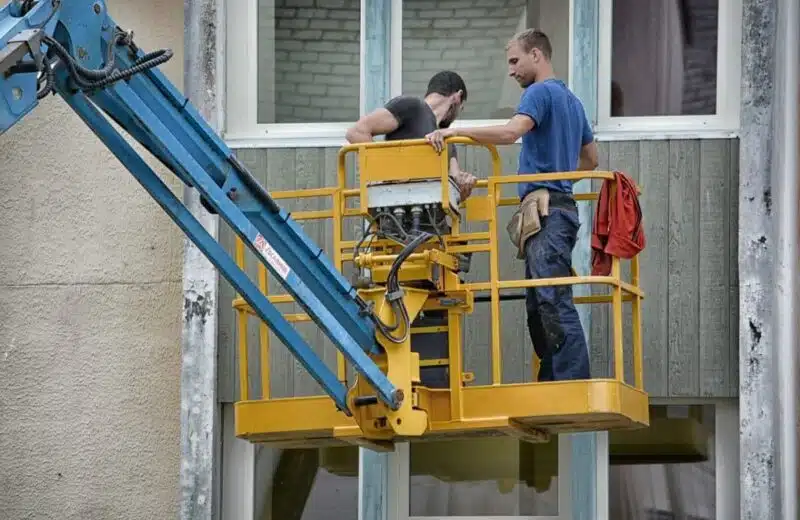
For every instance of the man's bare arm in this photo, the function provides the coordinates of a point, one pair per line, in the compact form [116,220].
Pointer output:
[508,133]
[379,122]
[588,159]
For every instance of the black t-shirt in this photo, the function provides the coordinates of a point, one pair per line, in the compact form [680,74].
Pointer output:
[415,118]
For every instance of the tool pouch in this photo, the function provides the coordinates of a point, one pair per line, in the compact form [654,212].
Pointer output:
[524,224]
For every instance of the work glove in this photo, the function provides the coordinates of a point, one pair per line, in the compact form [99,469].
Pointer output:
[526,220]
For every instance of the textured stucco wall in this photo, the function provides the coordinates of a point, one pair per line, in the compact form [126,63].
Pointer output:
[90,316]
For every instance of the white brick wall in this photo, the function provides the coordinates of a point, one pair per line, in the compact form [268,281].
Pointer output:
[309,53]
[316,61]
[467,36]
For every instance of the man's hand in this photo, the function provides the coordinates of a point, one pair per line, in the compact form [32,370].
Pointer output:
[465,182]
[437,137]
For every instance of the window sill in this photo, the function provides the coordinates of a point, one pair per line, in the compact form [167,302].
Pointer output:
[284,141]
[602,134]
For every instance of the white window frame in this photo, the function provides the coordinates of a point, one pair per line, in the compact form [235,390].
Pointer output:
[399,480]
[725,124]
[242,129]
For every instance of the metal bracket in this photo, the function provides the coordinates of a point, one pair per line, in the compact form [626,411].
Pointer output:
[27,41]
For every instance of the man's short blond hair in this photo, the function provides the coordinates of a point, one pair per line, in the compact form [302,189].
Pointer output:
[530,39]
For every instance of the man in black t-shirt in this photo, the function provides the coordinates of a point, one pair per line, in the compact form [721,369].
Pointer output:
[409,117]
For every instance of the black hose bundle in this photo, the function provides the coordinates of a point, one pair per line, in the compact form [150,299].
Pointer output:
[394,293]
[88,79]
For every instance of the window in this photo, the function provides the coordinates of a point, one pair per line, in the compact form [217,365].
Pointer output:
[469,37]
[293,69]
[488,477]
[669,66]
[260,481]
[306,483]
[685,466]
[294,72]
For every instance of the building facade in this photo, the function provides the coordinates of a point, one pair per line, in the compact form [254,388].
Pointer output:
[682,97]
[650,83]
[679,94]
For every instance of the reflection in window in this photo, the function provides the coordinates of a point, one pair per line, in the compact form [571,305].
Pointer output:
[670,482]
[469,37]
[306,484]
[308,61]
[664,57]
[484,477]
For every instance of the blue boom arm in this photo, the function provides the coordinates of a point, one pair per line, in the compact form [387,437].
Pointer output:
[74,49]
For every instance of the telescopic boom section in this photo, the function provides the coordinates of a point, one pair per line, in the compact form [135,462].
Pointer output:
[74,49]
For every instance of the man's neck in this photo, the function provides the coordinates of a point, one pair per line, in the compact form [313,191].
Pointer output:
[546,75]
[439,106]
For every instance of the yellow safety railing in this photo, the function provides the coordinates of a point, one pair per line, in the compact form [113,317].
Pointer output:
[478,207]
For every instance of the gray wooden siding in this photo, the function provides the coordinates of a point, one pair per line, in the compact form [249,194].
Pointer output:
[688,272]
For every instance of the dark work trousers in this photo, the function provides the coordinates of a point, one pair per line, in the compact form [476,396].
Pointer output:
[553,320]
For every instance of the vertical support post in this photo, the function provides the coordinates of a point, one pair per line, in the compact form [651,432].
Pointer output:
[785,174]
[589,463]
[726,455]
[200,409]
[376,18]
[757,243]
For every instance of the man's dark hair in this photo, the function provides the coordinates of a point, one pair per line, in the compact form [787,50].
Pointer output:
[530,39]
[447,83]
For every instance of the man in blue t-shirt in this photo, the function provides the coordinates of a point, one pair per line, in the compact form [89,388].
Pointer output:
[556,137]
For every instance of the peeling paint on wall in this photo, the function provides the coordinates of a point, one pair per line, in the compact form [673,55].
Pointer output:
[757,409]
[200,413]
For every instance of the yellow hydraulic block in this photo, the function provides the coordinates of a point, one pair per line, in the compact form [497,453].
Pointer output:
[377,421]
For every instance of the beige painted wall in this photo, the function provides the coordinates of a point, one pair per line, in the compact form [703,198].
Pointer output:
[90,316]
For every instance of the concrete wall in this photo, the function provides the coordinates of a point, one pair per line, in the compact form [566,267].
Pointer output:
[90,316]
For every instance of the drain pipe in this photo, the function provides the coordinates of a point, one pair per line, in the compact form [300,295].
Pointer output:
[786,222]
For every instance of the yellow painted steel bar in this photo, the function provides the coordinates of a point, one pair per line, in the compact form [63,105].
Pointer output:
[636,319]
[263,337]
[337,224]
[241,323]
[494,278]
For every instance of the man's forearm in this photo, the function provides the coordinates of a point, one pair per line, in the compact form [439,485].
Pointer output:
[354,136]
[586,164]
[489,134]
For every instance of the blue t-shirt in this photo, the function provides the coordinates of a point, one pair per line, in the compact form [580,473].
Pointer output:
[555,142]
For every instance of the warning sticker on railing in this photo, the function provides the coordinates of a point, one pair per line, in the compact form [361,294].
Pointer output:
[271,256]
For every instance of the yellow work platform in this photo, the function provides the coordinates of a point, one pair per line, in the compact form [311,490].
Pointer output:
[431,281]
[530,411]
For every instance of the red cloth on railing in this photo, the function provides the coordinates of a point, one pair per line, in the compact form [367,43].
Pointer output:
[617,229]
